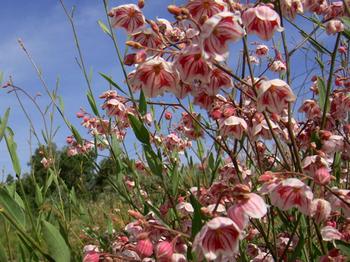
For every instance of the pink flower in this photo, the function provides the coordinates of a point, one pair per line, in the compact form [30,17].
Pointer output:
[320,210]
[313,163]
[148,38]
[311,109]
[217,31]
[291,7]
[253,205]
[192,65]
[322,176]
[205,8]
[144,247]
[237,214]
[274,95]
[219,237]
[278,66]
[262,21]
[164,251]
[334,26]
[290,193]
[261,50]
[155,76]
[233,126]
[91,256]
[329,233]
[128,17]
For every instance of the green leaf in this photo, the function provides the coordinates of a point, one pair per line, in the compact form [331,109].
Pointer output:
[337,166]
[3,123]
[197,216]
[92,103]
[38,195]
[322,93]
[57,246]
[1,77]
[11,207]
[154,162]
[12,148]
[140,130]
[142,104]
[112,83]
[104,28]
[76,134]
[344,247]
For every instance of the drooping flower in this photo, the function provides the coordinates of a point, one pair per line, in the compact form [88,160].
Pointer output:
[290,193]
[274,95]
[148,38]
[205,8]
[261,50]
[233,126]
[330,233]
[155,76]
[292,7]
[128,17]
[320,210]
[311,109]
[262,21]
[193,66]
[164,251]
[217,31]
[218,79]
[334,26]
[144,247]
[219,237]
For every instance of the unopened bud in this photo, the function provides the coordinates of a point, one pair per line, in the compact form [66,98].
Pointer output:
[185,11]
[135,214]
[175,10]
[134,44]
[141,3]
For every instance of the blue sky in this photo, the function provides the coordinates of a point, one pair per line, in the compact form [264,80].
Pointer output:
[44,28]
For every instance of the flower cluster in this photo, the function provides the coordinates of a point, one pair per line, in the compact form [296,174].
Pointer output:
[264,175]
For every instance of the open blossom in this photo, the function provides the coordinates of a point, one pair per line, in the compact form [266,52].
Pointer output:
[262,21]
[290,193]
[233,126]
[261,50]
[274,95]
[155,76]
[311,109]
[193,66]
[278,66]
[205,8]
[218,79]
[128,17]
[148,38]
[217,238]
[330,233]
[217,31]
[320,210]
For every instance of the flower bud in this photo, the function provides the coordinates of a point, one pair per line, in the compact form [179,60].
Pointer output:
[164,251]
[322,176]
[175,10]
[135,214]
[134,44]
[144,247]
[320,210]
[141,3]
[168,115]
